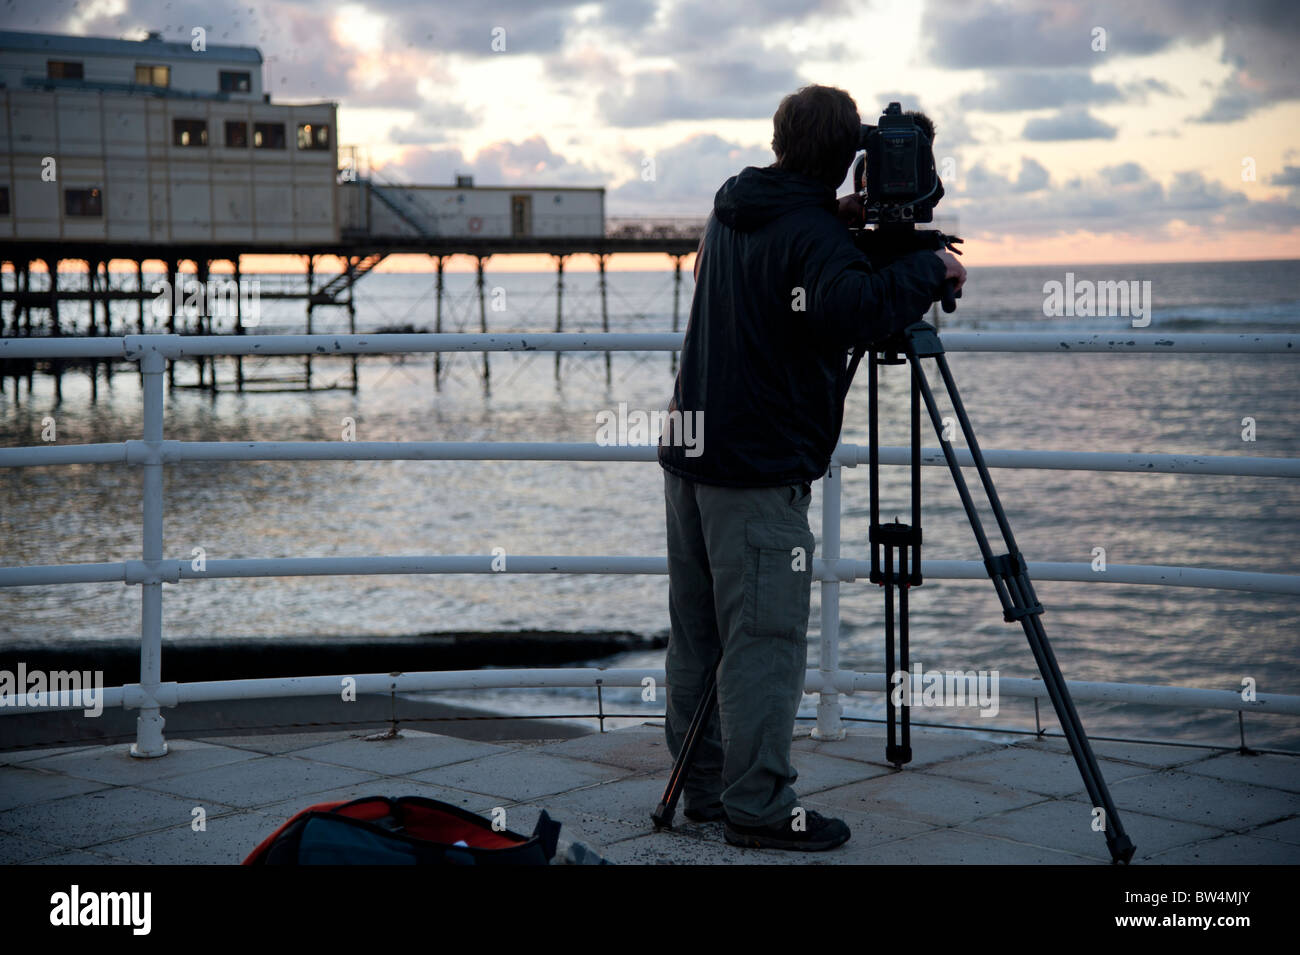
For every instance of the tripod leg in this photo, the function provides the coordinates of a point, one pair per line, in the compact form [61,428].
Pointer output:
[891,745]
[663,814]
[1019,603]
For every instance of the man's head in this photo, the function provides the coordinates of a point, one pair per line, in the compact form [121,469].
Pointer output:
[815,132]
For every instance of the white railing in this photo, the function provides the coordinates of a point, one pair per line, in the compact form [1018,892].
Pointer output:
[151,453]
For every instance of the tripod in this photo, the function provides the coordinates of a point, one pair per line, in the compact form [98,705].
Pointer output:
[896,564]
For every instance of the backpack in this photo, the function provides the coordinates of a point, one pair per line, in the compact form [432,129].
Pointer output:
[409,830]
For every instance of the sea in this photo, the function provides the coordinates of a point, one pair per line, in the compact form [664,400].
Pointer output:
[1247,405]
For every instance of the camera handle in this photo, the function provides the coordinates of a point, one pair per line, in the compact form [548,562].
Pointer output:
[1008,571]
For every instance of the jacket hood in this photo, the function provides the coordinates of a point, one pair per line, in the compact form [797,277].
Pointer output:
[760,194]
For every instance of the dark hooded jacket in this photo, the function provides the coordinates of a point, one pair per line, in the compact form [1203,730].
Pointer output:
[782,297]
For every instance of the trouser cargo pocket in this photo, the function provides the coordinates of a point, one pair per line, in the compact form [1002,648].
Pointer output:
[778,578]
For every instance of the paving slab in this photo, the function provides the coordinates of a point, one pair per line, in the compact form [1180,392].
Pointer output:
[1220,804]
[15,849]
[520,775]
[575,825]
[819,772]
[226,840]
[401,756]
[627,801]
[78,857]
[961,847]
[19,756]
[1036,770]
[115,764]
[1286,831]
[1066,825]
[1155,755]
[922,797]
[640,749]
[1262,769]
[81,821]
[930,749]
[668,848]
[481,803]
[257,781]
[273,744]
[20,786]
[1232,850]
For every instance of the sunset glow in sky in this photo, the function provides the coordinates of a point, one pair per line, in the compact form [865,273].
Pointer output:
[1078,132]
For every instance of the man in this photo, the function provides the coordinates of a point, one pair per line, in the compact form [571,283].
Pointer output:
[782,296]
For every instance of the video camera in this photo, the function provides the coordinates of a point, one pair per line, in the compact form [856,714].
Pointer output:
[899,186]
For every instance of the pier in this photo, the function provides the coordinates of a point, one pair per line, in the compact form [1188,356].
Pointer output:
[34,303]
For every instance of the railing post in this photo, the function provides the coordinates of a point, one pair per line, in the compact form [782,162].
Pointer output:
[149,740]
[829,709]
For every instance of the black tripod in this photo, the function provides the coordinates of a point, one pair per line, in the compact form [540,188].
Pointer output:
[899,568]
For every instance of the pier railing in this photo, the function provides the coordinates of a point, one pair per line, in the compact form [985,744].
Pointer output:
[153,451]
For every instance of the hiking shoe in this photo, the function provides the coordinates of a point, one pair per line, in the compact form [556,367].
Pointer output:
[710,813]
[817,834]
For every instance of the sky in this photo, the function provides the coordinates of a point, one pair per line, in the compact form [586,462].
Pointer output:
[1072,132]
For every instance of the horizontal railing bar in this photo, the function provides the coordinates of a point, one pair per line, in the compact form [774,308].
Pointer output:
[852,455]
[845,569]
[848,455]
[1119,341]
[133,696]
[179,346]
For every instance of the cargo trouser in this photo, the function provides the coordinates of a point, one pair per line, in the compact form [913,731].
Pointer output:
[739,585]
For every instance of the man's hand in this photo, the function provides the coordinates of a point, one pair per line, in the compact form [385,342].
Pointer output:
[851,211]
[953,269]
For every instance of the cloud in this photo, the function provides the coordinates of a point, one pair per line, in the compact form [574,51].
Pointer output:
[748,86]
[1118,199]
[1014,90]
[685,176]
[530,162]
[1039,89]
[1259,39]
[432,122]
[1067,124]
[1289,176]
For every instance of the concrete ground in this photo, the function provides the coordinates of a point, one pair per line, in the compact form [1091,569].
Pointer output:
[961,800]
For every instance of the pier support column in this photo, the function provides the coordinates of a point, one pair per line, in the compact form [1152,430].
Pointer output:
[437,326]
[56,326]
[92,330]
[352,312]
[311,277]
[239,322]
[27,318]
[482,324]
[139,288]
[173,276]
[604,313]
[201,267]
[677,298]
[106,289]
[559,307]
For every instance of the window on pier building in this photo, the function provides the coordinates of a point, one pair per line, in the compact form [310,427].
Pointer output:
[152,75]
[83,202]
[65,70]
[189,132]
[313,136]
[236,134]
[4,200]
[234,81]
[268,135]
